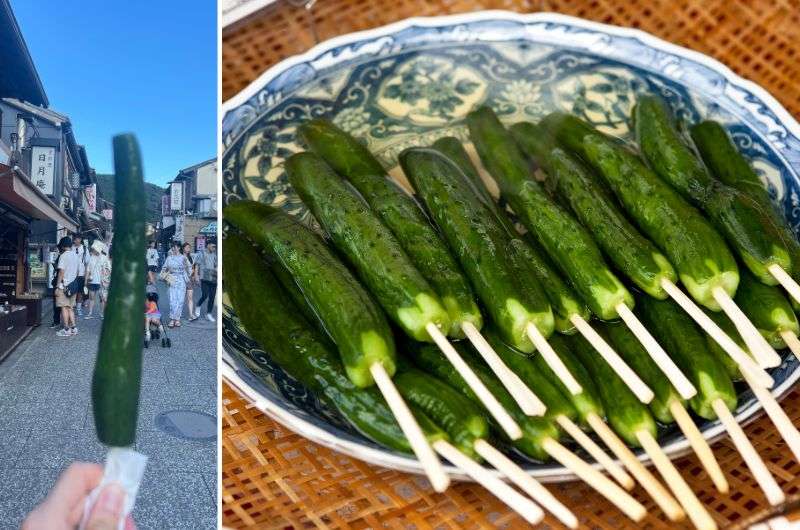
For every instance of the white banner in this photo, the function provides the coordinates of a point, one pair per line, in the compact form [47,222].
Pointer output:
[43,168]
[178,229]
[176,196]
[91,198]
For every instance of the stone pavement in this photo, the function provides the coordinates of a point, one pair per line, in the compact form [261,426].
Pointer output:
[46,422]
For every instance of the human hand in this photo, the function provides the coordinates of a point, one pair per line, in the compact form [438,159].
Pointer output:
[62,509]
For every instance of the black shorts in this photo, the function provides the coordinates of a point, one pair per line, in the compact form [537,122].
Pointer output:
[79,281]
[152,268]
[94,287]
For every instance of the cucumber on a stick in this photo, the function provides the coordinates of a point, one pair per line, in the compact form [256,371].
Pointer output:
[541,437]
[632,253]
[381,263]
[463,420]
[514,300]
[770,312]
[749,230]
[116,380]
[633,421]
[560,407]
[567,243]
[419,239]
[699,254]
[716,397]
[402,215]
[668,406]
[727,164]
[355,322]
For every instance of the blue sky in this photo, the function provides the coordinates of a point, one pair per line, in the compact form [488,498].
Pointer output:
[146,67]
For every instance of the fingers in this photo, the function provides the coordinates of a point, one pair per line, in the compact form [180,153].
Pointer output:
[107,511]
[73,485]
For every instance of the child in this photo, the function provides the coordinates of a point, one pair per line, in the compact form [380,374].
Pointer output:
[151,315]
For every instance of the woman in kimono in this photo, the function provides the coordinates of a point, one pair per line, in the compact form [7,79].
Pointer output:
[176,271]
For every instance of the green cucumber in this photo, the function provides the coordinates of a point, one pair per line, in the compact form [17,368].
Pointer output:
[271,318]
[731,167]
[632,351]
[354,321]
[522,254]
[566,242]
[731,366]
[401,214]
[534,429]
[369,246]
[461,419]
[767,308]
[624,412]
[744,223]
[631,253]
[693,246]
[117,375]
[522,364]
[684,341]
[480,244]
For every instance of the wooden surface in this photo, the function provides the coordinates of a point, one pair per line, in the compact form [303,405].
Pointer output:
[274,478]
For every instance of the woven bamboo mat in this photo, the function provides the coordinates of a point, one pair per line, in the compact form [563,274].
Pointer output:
[274,478]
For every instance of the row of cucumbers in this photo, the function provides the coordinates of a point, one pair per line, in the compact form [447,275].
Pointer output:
[422,272]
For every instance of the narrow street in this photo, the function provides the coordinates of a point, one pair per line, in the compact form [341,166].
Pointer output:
[46,421]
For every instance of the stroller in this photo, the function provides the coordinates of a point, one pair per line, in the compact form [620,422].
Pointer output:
[155,330]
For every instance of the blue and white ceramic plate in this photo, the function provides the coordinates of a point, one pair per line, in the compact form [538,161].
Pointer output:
[414,81]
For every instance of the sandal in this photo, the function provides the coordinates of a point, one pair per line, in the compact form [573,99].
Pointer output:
[171,324]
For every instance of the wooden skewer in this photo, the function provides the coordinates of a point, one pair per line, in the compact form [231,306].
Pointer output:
[616,495]
[515,500]
[792,342]
[700,445]
[488,400]
[525,398]
[681,383]
[552,359]
[785,427]
[757,467]
[736,353]
[694,508]
[764,354]
[634,382]
[525,482]
[596,452]
[419,444]
[788,283]
[652,486]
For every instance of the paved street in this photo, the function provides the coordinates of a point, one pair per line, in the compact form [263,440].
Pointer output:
[46,422]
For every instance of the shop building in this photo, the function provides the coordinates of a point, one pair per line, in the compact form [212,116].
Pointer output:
[189,207]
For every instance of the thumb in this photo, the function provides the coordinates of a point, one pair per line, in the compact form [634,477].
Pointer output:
[107,511]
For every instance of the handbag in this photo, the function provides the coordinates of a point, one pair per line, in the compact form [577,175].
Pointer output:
[167,277]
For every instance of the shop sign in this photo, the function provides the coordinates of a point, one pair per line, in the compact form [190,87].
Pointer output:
[178,229]
[38,269]
[165,205]
[43,168]
[200,243]
[91,198]
[176,196]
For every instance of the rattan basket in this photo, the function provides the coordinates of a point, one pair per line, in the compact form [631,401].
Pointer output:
[274,478]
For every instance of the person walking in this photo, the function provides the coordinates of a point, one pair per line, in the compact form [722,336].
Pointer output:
[105,279]
[67,286]
[194,280]
[207,260]
[175,273]
[80,252]
[152,261]
[94,276]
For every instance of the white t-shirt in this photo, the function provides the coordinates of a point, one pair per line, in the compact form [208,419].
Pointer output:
[152,257]
[68,262]
[80,252]
[94,269]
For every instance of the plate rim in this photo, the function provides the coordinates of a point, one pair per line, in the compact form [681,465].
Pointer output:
[382,457]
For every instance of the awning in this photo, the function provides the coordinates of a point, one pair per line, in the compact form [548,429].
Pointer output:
[18,191]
